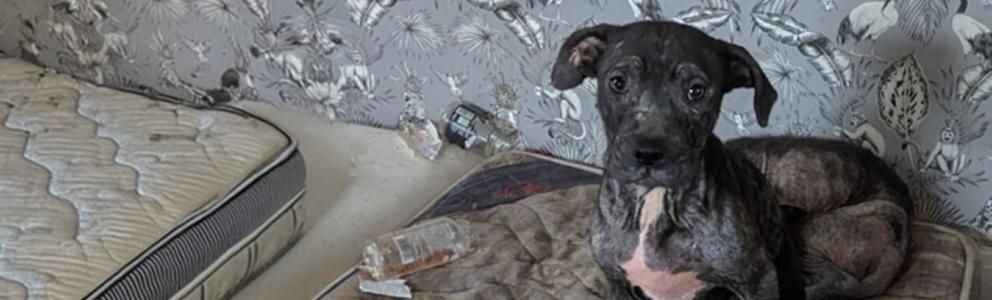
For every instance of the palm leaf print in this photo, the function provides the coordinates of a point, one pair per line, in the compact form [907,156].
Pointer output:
[921,18]
[974,84]
[703,18]
[833,64]
[935,209]
[903,95]
[527,30]
[367,13]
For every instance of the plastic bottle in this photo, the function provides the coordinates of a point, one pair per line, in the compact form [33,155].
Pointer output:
[417,248]
[472,128]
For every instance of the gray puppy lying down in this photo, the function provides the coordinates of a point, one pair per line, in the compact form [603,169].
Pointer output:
[682,215]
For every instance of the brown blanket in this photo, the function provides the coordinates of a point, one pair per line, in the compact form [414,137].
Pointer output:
[537,248]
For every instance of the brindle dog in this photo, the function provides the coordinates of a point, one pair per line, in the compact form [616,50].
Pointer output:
[683,216]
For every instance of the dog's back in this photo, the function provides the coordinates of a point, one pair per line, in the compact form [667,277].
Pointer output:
[859,210]
[820,175]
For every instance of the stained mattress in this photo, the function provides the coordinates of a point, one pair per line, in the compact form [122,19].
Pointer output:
[530,218]
[110,195]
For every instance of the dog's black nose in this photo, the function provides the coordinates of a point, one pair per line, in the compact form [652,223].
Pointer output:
[648,156]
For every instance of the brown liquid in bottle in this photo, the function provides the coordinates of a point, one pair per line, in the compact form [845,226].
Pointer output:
[420,247]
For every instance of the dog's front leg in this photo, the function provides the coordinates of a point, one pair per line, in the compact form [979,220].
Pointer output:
[766,288]
[620,289]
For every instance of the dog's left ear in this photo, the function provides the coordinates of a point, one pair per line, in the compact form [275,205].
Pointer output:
[745,72]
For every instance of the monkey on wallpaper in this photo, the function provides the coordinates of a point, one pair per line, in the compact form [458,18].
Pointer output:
[864,134]
[947,155]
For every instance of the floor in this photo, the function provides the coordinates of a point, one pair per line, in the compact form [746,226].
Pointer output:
[361,182]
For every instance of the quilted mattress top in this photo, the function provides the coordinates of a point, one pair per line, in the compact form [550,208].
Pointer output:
[90,177]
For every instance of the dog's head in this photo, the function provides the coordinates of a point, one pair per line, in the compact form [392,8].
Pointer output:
[660,89]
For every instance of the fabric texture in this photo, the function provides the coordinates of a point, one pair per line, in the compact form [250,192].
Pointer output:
[93,179]
[537,248]
[534,245]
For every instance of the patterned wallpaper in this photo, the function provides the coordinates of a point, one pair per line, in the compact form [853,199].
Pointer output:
[907,79]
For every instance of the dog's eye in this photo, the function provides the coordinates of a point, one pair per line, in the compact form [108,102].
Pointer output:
[618,85]
[696,92]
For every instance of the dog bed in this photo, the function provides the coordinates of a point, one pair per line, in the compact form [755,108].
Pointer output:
[530,216]
[106,194]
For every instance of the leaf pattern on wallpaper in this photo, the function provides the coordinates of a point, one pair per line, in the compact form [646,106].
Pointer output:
[590,150]
[903,95]
[415,30]
[527,30]
[222,13]
[786,77]
[703,18]
[833,63]
[732,7]
[262,9]
[975,83]
[867,21]
[477,39]
[164,11]
[646,9]
[933,208]
[367,13]
[774,7]
[311,27]
[920,18]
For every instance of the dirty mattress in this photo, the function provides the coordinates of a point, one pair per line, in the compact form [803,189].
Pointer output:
[106,194]
[529,218]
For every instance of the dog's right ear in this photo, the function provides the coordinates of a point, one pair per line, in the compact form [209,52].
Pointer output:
[578,56]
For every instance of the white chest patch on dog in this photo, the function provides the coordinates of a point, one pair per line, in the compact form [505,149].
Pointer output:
[657,284]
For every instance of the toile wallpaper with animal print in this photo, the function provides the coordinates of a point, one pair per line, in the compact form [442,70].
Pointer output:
[907,79]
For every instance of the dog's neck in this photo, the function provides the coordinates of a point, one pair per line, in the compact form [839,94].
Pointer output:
[616,204]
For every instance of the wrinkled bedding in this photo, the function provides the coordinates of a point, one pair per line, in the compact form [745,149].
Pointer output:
[536,248]
[90,178]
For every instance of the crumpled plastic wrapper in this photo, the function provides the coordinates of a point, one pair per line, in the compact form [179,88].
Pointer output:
[419,133]
[395,288]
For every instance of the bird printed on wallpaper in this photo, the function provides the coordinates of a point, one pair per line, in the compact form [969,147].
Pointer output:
[967,28]
[570,107]
[454,81]
[199,50]
[867,21]
[741,120]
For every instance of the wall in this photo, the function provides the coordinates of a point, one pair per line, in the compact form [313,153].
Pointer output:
[907,79]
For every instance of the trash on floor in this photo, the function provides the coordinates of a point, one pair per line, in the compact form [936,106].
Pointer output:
[475,129]
[417,131]
[423,246]
[396,288]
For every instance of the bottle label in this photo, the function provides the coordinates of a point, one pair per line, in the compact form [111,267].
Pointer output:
[468,126]
[408,253]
